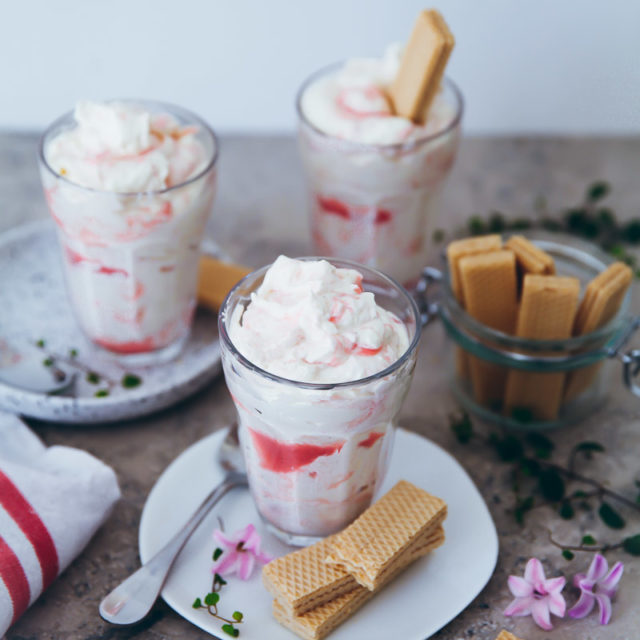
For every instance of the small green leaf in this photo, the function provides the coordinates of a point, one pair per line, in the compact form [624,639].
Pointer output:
[519,224]
[48,362]
[530,467]
[92,377]
[462,427]
[211,599]
[41,343]
[551,485]
[567,554]
[541,444]
[632,545]
[101,393]
[237,616]
[521,509]
[508,448]
[566,510]
[588,447]
[197,603]
[219,579]
[130,380]
[73,353]
[231,630]
[597,191]
[217,553]
[476,226]
[610,516]
[588,540]
[631,232]
[522,414]
[496,223]
[438,236]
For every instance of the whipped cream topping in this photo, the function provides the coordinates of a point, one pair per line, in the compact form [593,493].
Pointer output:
[124,148]
[312,322]
[352,103]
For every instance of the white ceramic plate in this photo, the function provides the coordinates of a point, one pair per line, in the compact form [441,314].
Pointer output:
[34,306]
[420,602]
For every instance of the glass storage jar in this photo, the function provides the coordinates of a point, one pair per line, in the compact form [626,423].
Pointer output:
[580,368]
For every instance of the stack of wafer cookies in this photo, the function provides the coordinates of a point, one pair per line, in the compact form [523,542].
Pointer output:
[514,289]
[317,588]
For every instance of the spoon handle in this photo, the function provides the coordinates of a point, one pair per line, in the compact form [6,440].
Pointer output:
[132,599]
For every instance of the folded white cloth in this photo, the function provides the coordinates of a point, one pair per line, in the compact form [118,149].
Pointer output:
[52,501]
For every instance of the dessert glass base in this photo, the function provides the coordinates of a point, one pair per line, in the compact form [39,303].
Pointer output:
[149,358]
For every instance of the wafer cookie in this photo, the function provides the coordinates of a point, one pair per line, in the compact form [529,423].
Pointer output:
[456,250]
[530,259]
[422,68]
[320,621]
[369,546]
[302,580]
[601,302]
[505,635]
[547,312]
[490,295]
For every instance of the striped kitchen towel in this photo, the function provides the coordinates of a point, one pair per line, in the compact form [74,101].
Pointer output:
[52,500]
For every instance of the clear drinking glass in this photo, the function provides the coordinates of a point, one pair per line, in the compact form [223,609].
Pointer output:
[131,259]
[317,453]
[377,204]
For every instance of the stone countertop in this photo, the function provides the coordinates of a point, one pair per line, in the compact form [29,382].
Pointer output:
[260,212]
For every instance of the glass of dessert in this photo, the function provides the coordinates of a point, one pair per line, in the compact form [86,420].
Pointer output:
[318,357]
[374,177]
[130,186]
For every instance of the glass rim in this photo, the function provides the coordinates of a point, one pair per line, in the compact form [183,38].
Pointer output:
[169,108]
[321,386]
[394,146]
[581,250]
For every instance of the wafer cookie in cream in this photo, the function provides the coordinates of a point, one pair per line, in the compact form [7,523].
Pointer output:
[370,545]
[530,259]
[547,312]
[489,288]
[601,302]
[422,67]
[322,620]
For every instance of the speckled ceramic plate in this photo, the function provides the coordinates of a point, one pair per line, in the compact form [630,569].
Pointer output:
[430,593]
[34,306]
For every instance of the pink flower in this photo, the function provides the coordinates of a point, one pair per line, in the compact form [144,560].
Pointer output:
[239,552]
[597,586]
[536,596]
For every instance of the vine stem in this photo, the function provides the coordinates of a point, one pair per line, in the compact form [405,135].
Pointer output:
[590,548]
[590,481]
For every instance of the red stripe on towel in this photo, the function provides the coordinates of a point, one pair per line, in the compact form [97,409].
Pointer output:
[28,520]
[14,577]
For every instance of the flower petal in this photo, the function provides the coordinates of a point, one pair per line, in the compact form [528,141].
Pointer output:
[534,572]
[541,615]
[578,578]
[519,607]
[598,568]
[519,587]
[556,604]
[247,562]
[219,537]
[583,607]
[604,602]
[226,563]
[610,582]
[264,557]
[554,584]
[252,541]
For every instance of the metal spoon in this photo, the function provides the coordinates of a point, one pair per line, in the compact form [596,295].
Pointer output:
[24,369]
[132,599]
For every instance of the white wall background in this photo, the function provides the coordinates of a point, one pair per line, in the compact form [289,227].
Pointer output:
[525,66]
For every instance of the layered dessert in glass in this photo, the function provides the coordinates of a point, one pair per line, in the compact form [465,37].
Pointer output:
[318,358]
[374,178]
[130,186]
